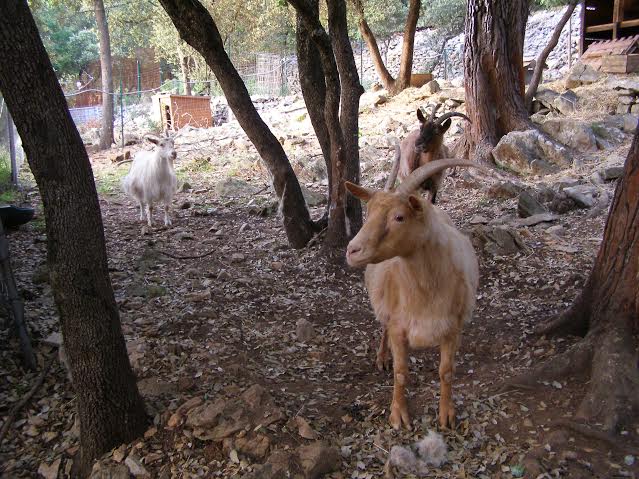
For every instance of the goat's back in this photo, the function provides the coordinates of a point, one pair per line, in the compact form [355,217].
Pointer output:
[150,179]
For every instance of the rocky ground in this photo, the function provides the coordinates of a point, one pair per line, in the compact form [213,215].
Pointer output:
[255,359]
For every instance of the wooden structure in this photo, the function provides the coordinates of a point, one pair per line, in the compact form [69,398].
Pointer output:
[177,111]
[603,20]
[613,56]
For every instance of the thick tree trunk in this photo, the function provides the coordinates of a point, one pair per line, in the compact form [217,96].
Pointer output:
[197,28]
[607,314]
[106,67]
[351,91]
[314,90]
[543,56]
[392,85]
[339,228]
[110,409]
[493,68]
[184,68]
[406,60]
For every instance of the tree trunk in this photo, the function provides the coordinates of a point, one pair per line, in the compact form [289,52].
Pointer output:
[493,68]
[543,56]
[197,28]
[110,409]
[184,67]
[106,67]
[606,313]
[408,43]
[402,81]
[314,91]
[339,224]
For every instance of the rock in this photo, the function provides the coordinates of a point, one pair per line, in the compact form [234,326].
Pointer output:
[546,97]
[50,472]
[304,429]
[135,466]
[232,187]
[376,86]
[313,198]
[318,459]
[498,240]
[118,157]
[504,190]
[380,99]
[565,103]
[529,151]
[430,88]
[205,414]
[189,405]
[186,186]
[634,109]
[573,133]
[280,465]
[119,471]
[54,339]
[528,205]
[611,172]
[557,230]
[304,330]
[255,446]
[581,74]
[478,220]
[584,195]
[562,203]
[237,258]
[623,109]
[535,219]
[626,99]
[317,168]
[630,122]
[545,194]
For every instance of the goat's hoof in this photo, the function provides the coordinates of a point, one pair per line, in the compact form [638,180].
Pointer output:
[447,417]
[399,415]
[383,363]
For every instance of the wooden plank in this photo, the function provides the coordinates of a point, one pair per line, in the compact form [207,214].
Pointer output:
[600,28]
[630,23]
[620,63]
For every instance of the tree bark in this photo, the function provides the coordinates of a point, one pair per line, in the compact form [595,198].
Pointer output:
[606,313]
[339,224]
[197,28]
[543,56]
[106,67]
[184,67]
[392,85]
[110,408]
[314,90]
[493,68]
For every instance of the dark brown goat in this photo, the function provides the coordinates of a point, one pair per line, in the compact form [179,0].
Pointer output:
[424,145]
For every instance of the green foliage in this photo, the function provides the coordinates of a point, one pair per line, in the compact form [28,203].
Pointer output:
[383,18]
[67,34]
[549,3]
[445,15]
[7,191]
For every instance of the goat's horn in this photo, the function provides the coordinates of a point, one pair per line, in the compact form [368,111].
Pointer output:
[421,174]
[390,182]
[435,108]
[451,114]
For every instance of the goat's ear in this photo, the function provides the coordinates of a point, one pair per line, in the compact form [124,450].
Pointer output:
[420,115]
[445,126]
[153,139]
[415,203]
[357,191]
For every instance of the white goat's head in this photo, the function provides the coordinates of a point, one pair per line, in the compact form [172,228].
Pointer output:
[166,146]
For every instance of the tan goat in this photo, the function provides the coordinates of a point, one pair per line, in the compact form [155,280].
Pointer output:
[421,276]
[424,145]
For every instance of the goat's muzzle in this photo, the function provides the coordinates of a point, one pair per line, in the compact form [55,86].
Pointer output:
[353,250]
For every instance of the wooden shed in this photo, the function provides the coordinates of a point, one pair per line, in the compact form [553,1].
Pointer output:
[177,111]
[603,20]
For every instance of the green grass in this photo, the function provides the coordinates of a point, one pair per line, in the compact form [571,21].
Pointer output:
[8,193]
[108,182]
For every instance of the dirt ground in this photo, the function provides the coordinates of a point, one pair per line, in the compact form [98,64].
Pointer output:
[213,326]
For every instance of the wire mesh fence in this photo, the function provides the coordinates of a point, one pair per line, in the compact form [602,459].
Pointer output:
[11,154]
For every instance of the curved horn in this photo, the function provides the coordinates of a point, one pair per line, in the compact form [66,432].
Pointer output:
[390,182]
[451,114]
[435,108]
[421,174]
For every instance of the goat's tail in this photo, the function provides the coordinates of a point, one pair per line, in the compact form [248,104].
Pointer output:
[390,182]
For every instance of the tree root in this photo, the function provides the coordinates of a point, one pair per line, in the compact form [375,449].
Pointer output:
[587,431]
[573,322]
[575,360]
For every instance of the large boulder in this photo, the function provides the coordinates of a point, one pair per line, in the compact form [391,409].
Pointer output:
[529,151]
[565,103]
[576,134]
[546,97]
[581,74]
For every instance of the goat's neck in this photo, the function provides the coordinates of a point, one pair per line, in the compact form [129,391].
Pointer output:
[433,247]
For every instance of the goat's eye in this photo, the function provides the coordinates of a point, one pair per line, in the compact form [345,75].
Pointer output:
[399,218]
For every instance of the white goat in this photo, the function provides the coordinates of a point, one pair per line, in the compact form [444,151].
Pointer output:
[421,277]
[152,179]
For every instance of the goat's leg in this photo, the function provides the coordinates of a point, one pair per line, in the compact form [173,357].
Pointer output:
[382,361]
[167,212]
[149,215]
[141,211]
[399,407]
[446,372]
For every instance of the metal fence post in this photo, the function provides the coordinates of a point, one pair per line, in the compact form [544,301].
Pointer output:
[137,62]
[445,63]
[121,115]
[12,149]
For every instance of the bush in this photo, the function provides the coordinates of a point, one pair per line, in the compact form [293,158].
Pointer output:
[7,192]
[445,15]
